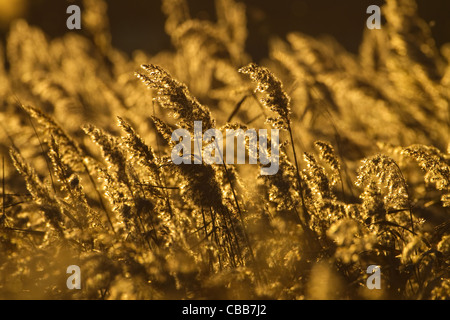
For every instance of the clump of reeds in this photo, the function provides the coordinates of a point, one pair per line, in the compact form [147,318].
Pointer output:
[94,184]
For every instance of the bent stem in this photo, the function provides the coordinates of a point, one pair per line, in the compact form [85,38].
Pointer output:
[247,240]
[300,180]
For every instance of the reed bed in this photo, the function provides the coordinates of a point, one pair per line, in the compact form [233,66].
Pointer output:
[87,178]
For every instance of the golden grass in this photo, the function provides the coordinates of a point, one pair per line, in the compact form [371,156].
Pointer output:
[363,177]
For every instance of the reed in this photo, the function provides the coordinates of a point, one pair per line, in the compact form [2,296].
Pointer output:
[141,227]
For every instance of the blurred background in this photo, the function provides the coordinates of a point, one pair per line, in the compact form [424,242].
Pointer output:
[139,24]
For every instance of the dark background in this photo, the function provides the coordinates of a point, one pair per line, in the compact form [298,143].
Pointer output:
[139,24]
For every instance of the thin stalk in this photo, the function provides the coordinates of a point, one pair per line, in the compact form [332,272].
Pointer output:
[213,218]
[237,205]
[162,180]
[236,109]
[344,165]
[300,180]
[205,225]
[409,198]
[44,155]
[100,198]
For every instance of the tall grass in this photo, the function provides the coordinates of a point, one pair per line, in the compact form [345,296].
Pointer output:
[363,176]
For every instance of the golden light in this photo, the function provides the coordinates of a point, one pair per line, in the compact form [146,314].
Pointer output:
[11,10]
